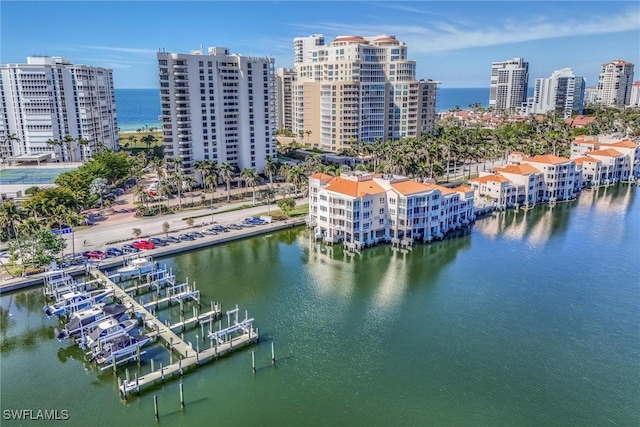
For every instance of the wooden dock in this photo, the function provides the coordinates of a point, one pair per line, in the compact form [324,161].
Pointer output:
[162,331]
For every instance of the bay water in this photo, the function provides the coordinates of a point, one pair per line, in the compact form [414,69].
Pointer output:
[529,318]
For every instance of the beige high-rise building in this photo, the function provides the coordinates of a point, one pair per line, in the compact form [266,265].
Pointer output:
[508,88]
[615,82]
[285,78]
[358,89]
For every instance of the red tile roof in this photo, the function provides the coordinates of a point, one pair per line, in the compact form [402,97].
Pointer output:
[487,178]
[410,187]
[547,158]
[581,160]
[354,188]
[523,169]
[609,152]
[622,144]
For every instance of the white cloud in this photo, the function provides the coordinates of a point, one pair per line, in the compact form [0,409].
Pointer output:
[132,50]
[444,36]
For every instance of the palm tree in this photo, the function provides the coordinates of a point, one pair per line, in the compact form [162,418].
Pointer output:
[139,193]
[177,179]
[308,132]
[270,168]
[54,143]
[227,172]
[296,177]
[83,143]
[251,179]
[189,181]
[67,141]
[7,147]
[10,213]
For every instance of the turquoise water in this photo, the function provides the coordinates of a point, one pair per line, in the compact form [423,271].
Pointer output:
[531,318]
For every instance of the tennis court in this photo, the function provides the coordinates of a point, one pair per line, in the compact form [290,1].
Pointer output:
[31,176]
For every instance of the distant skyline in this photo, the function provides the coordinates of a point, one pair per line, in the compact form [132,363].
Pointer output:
[453,42]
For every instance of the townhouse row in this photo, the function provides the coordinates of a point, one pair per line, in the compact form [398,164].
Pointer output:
[362,209]
[526,181]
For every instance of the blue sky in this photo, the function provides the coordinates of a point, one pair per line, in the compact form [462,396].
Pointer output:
[453,41]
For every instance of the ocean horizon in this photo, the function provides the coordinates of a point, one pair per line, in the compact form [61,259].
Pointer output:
[137,108]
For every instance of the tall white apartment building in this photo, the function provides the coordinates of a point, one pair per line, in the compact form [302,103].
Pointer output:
[615,82]
[563,93]
[509,81]
[634,99]
[359,89]
[48,99]
[304,46]
[361,208]
[590,94]
[284,98]
[603,163]
[217,106]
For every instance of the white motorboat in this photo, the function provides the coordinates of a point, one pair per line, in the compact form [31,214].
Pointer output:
[137,267]
[109,330]
[122,348]
[87,320]
[75,301]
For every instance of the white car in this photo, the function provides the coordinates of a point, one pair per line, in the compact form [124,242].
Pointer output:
[208,231]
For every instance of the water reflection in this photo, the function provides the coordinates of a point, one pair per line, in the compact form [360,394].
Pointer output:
[538,225]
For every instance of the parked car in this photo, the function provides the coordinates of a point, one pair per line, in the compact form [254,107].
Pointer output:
[95,254]
[143,244]
[235,227]
[171,239]
[185,237]
[118,191]
[129,249]
[219,228]
[195,234]
[114,251]
[158,241]
[209,231]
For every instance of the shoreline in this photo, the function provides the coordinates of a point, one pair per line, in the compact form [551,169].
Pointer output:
[20,283]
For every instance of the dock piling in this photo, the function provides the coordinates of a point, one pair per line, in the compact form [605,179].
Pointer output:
[155,407]
[127,375]
[161,373]
[181,396]
[273,354]
[253,361]
[152,366]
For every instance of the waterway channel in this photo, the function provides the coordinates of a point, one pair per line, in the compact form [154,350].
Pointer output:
[529,318]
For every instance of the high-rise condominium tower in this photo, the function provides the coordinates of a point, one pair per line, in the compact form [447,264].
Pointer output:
[284,84]
[563,93]
[615,82]
[359,89]
[51,108]
[219,107]
[509,80]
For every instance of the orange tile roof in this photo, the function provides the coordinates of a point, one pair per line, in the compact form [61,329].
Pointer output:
[487,178]
[463,189]
[547,158]
[410,187]
[523,169]
[609,152]
[321,175]
[623,144]
[581,160]
[444,190]
[354,188]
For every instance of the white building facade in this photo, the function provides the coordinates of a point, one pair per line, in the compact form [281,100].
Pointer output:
[607,162]
[219,107]
[634,98]
[52,99]
[562,92]
[360,89]
[615,82]
[363,209]
[284,97]
[508,86]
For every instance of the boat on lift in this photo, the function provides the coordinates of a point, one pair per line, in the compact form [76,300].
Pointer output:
[107,331]
[87,320]
[122,348]
[137,267]
[74,301]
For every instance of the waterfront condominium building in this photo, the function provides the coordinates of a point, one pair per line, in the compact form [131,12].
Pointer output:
[284,81]
[52,109]
[603,163]
[615,82]
[634,99]
[563,93]
[217,106]
[361,208]
[509,80]
[359,89]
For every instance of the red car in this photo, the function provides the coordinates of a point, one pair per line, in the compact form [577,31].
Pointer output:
[143,244]
[95,254]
